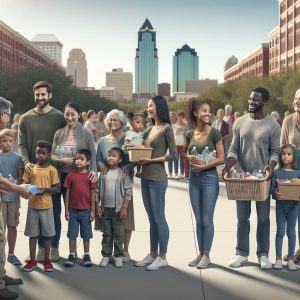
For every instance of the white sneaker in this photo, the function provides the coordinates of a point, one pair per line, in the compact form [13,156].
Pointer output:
[119,262]
[179,177]
[54,255]
[278,264]
[146,261]
[126,257]
[104,262]
[195,262]
[238,261]
[291,265]
[157,264]
[204,262]
[264,263]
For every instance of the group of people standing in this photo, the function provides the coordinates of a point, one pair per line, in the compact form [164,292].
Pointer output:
[109,200]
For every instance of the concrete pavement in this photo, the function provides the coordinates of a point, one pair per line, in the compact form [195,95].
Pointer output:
[178,281]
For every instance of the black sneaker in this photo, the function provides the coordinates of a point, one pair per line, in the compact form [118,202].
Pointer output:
[86,261]
[71,261]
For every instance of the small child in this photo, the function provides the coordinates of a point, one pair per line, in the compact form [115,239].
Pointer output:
[134,137]
[12,168]
[80,207]
[40,219]
[286,210]
[115,192]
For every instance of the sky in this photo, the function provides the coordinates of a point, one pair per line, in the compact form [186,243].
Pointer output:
[107,30]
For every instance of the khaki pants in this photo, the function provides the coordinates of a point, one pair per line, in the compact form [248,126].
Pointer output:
[2,251]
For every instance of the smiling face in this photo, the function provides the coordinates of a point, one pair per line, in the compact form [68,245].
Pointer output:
[151,109]
[255,102]
[42,97]
[114,123]
[296,103]
[6,143]
[71,116]
[203,114]
[287,157]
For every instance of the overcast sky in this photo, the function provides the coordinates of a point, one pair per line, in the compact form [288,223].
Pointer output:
[106,30]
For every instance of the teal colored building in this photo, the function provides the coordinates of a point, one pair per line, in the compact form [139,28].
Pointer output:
[146,60]
[185,67]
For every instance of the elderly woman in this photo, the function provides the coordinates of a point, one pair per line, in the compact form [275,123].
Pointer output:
[72,137]
[89,124]
[290,134]
[221,125]
[229,119]
[116,121]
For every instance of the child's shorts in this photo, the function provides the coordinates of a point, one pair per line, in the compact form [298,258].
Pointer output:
[40,221]
[82,218]
[11,213]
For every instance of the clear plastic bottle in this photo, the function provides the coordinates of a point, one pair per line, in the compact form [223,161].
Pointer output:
[234,174]
[260,174]
[57,151]
[12,179]
[63,152]
[194,151]
[205,155]
[69,153]
[213,155]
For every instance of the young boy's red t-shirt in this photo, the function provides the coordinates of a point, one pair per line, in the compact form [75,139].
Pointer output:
[80,187]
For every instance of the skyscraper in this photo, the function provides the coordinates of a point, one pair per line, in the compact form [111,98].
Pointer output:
[185,67]
[77,68]
[146,60]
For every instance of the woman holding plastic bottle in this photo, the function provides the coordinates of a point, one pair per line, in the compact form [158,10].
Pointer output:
[204,182]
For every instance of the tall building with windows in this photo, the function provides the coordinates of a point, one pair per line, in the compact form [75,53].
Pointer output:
[185,67]
[146,60]
[49,44]
[77,68]
[122,82]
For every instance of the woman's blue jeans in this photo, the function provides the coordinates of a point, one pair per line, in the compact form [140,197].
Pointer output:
[286,217]
[153,193]
[204,191]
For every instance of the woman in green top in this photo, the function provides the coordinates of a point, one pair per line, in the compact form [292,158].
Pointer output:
[204,182]
[154,181]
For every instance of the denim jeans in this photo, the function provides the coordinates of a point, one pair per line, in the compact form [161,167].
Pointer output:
[179,161]
[153,193]
[286,215]
[299,224]
[204,191]
[262,230]
[170,167]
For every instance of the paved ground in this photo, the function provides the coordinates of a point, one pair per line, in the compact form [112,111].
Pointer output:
[176,282]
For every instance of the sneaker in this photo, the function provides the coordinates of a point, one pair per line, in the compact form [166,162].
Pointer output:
[119,262]
[291,265]
[195,262]
[238,261]
[54,255]
[71,261]
[41,254]
[171,176]
[86,261]
[278,264]
[48,267]
[179,177]
[27,259]
[126,257]
[204,262]
[157,264]
[32,264]
[104,262]
[7,294]
[11,281]
[11,258]
[264,263]
[145,261]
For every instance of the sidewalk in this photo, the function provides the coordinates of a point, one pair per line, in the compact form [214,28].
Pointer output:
[176,282]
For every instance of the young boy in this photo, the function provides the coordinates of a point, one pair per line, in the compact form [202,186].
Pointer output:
[80,207]
[12,168]
[40,209]
[115,191]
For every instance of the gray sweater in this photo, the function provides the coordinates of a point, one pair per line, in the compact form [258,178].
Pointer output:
[123,187]
[255,142]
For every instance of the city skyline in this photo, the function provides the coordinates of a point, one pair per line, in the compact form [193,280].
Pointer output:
[106,30]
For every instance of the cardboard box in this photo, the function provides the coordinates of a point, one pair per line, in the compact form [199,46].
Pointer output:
[137,154]
[289,190]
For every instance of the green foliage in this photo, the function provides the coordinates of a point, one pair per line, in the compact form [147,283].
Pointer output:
[17,87]
[127,106]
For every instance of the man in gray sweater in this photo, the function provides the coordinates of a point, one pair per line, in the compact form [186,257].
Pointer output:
[255,146]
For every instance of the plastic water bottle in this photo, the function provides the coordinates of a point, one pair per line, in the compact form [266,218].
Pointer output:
[205,155]
[12,179]
[69,153]
[234,174]
[213,155]
[260,174]
[194,151]
[57,151]
[63,152]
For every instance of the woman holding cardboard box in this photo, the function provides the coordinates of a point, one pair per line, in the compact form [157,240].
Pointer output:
[290,134]
[154,181]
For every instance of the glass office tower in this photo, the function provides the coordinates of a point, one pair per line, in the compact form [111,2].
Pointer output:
[146,60]
[185,67]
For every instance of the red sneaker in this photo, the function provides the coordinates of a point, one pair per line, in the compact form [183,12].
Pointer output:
[32,264]
[48,267]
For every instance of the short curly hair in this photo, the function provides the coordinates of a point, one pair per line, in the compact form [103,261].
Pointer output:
[121,116]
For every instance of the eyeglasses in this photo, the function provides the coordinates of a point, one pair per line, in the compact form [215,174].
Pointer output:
[114,121]
[5,112]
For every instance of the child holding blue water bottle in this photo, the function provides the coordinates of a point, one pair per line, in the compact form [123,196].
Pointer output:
[286,210]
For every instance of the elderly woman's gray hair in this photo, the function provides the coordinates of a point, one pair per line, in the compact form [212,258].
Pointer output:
[228,108]
[120,115]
